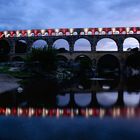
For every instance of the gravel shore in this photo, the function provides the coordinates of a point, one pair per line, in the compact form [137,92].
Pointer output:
[8,83]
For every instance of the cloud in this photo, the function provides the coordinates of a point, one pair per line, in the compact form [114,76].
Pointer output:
[106,44]
[42,14]
[25,14]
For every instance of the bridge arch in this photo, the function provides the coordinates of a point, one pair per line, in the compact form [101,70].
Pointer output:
[40,43]
[106,44]
[83,99]
[4,46]
[4,50]
[108,65]
[130,43]
[107,99]
[82,44]
[84,61]
[62,45]
[131,99]
[133,61]
[21,46]
[63,100]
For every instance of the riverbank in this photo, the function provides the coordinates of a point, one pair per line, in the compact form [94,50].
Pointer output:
[8,83]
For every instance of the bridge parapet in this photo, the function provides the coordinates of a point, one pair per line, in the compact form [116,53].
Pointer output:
[71,31]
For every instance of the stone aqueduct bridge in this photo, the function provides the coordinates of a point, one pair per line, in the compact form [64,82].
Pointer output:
[93,35]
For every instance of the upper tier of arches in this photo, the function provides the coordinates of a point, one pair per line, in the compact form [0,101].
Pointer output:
[22,45]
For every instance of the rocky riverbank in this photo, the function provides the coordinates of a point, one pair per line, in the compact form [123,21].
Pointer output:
[8,83]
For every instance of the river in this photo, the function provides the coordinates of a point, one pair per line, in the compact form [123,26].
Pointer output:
[94,109]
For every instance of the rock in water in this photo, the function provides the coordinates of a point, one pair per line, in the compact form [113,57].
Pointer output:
[20,89]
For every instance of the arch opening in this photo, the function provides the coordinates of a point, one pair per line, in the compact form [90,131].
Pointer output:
[39,44]
[132,61]
[82,45]
[83,68]
[83,100]
[106,44]
[131,44]
[108,66]
[84,62]
[131,99]
[132,67]
[107,99]
[63,100]
[4,50]
[21,46]
[4,47]
[132,71]
[61,45]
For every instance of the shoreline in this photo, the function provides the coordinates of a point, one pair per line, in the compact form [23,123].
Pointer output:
[8,83]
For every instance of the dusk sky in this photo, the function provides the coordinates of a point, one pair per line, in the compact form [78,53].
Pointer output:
[32,14]
[43,14]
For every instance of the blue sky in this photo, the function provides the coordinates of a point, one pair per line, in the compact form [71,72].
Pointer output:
[32,14]
[43,14]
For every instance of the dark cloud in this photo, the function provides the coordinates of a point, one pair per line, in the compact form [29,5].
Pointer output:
[27,14]
[126,4]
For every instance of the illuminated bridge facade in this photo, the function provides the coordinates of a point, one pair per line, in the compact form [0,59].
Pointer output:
[93,35]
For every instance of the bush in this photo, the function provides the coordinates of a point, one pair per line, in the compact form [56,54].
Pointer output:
[47,58]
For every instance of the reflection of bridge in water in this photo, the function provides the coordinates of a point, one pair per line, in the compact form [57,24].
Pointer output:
[99,100]
[99,85]
[66,112]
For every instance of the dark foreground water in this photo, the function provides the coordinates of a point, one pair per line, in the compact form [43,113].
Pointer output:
[103,109]
[23,128]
